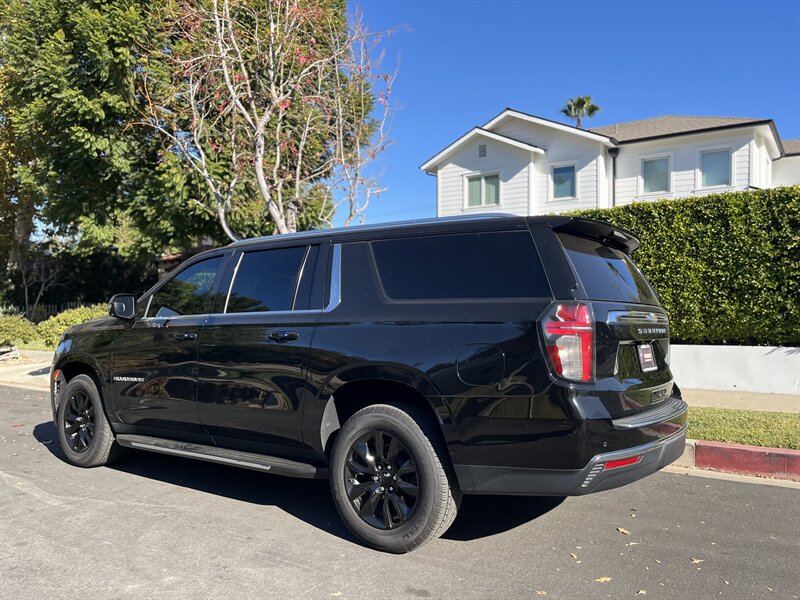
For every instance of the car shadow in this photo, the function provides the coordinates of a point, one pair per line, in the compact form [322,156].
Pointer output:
[306,499]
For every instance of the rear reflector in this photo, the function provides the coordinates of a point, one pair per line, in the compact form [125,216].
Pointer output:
[569,338]
[624,462]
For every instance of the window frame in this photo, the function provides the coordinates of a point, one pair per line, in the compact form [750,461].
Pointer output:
[328,267]
[483,176]
[670,156]
[150,294]
[699,170]
[552,183]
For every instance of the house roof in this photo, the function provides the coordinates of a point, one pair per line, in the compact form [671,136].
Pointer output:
[607,140]
[791,147]
[470,135]
[670,125]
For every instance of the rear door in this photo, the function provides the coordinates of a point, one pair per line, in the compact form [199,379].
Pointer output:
[632,329]
[253,351]
[154,363]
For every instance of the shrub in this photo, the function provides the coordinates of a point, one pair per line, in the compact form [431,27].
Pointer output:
[727,266]
[51,329]
[15,329]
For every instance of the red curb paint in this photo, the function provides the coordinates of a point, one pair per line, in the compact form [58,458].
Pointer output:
[750,460]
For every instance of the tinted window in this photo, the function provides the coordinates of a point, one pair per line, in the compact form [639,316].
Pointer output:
[607,273]
[188,293]
[266,280]
[475,265]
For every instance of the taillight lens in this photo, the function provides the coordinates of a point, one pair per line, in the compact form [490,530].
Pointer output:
[569,338]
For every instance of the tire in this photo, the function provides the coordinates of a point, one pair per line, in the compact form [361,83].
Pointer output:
[362,477]
[90,441]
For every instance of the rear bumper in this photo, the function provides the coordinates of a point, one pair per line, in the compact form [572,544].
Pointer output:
[594,477]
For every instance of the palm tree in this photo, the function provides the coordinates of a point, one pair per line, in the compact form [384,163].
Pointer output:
[580,107]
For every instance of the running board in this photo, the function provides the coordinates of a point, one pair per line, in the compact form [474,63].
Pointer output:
[223,456]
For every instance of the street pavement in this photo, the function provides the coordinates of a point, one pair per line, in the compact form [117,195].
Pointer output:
[161,527]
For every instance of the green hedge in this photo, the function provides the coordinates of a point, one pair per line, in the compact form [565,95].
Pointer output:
[15,329]
[727,266]
[50,330]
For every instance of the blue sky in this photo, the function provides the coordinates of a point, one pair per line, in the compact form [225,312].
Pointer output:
[461,62]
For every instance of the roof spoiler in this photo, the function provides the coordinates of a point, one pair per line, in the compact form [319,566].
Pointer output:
[601,231]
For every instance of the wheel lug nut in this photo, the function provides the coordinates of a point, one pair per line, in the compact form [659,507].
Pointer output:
[389,467]
[383,489]
[374,478]
[391,489]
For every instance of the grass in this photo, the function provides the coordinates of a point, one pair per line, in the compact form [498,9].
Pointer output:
[752,427]
[34,345]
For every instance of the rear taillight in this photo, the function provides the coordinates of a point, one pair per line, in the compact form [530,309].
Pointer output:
[569,338]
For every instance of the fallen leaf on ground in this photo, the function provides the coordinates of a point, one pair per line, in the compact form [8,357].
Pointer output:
[641,593]
[336,594]
[697,561]
[539,593]
[573,555]
[623,531]
[603,579]
[632,544]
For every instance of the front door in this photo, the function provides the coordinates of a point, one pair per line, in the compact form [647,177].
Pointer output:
[253,353]
[154,363]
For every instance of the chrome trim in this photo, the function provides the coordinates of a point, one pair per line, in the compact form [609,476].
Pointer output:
[230,285]
[375,227]
[636,317]
[300,276]
[637,450]
[335,297]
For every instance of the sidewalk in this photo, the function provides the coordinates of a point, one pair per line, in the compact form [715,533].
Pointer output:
[31,371]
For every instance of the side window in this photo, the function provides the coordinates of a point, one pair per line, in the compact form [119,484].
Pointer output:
[188,293]
[266,280]
[466,266]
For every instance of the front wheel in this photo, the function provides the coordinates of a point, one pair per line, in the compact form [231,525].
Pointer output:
[390,478]
[83,430]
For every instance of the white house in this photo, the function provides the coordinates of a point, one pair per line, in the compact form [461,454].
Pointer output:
[526,165]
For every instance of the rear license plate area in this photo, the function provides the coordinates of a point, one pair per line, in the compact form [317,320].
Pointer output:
[647,360]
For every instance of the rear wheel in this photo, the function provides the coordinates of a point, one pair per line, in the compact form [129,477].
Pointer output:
[83,430]
[390,478]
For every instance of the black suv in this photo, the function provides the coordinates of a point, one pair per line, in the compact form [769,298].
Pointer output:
[409,363]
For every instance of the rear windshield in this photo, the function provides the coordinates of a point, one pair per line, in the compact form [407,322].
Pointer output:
[466,266]
[607,273]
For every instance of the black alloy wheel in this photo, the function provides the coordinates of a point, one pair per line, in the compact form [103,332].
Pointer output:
[381,480]
[79,423]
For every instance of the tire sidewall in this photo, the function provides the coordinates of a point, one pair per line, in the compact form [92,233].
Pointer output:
[89,457]
[398,539]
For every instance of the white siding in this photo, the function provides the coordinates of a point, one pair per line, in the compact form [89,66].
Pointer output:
[509,162]
[560,148]
[786,171]
[684,152]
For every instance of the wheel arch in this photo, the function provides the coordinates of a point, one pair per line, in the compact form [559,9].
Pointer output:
[349,391]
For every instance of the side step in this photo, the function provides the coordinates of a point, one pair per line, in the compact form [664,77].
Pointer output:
[236,458]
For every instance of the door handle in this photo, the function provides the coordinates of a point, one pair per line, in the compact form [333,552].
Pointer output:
[185,336]
[283,336]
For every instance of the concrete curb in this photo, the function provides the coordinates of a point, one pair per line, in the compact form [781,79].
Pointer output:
[780,463]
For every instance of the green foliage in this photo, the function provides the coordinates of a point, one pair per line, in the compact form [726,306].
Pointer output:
[16,329]
[752,427]
[726,266]
[579,108]
[50,330]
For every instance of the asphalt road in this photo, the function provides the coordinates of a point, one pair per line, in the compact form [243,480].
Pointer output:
[161,527]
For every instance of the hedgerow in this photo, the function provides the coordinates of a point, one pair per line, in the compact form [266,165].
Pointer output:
[726,266]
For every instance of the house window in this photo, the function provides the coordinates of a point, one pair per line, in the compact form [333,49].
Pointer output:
[715,168]
[655,175]
[564,182]
[483,190]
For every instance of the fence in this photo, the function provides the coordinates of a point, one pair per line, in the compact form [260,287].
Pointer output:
[42,311]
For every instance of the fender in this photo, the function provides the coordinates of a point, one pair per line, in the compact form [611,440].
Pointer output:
[65,354]
[320,419]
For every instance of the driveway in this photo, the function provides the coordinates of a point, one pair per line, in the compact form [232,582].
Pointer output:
[160,527]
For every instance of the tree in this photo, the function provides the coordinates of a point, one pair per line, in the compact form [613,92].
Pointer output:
[580,108]
[270,99]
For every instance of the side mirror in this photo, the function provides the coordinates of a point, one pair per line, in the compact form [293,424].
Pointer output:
[123,306]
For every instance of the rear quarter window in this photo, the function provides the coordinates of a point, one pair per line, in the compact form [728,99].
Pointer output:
[607,273]
[461,266]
